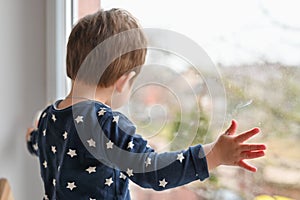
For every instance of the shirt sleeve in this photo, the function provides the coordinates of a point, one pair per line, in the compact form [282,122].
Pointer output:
[32,143]
[129,152]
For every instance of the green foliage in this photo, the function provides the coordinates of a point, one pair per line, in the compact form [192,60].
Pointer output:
[184,130]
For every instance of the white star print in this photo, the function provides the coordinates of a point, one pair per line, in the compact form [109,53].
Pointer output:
[44,132]
[92,199]
[180,157]
[44,115]
[148,162]
[91,170]
[116,119]
[54,182]
[53,149]
[53,118]
[130,145]
[79,119]
[101,112]
[122,176]
[46,197]
[108,181]
[129,172]
[72,153]
[65,135]
[91,142]
[163,183]
[35,146]
[71,185]
[109,145]
[45,164]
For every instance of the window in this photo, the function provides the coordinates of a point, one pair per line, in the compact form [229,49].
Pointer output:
[84,7]
[254,45]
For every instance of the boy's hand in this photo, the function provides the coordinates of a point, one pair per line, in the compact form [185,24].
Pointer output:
[231,149]
[28,133]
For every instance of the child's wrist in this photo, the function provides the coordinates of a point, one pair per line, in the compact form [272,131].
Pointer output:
[212,157]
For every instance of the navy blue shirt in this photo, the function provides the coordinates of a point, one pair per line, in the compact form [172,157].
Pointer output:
[87,151]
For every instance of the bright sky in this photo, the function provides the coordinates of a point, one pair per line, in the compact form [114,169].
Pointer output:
[231,31]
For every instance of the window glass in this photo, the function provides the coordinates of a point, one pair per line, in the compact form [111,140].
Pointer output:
[255,47]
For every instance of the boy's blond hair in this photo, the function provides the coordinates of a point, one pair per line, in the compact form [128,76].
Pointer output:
[91,31]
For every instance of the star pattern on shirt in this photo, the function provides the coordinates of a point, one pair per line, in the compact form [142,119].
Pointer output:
[35,146]
[129,172]
[44,132]
[71,185]
[130,145]
[44,115]
[45,164]
[116,118]
[122,176]
[92,199]
[79,119]
[91,170]
[148,162]
[101,112]
[163,183]
[72,153]
[65,135]
[108,181]
[109,145]
[91,142]
[53,118]
[180,157]
[63,149]
[53,149]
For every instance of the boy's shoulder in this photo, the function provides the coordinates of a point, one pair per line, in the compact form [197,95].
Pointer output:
[91,112]
[123,122]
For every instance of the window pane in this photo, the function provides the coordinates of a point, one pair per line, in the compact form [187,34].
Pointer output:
[255,45]
[87,6]
[80,8]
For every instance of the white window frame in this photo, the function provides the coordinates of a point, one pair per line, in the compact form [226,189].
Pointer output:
[58,26]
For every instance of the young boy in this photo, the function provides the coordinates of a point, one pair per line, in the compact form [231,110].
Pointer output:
[88,151]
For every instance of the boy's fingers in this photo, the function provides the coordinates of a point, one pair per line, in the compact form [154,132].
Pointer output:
[246,166]
[28,133]
[245,136]
[232,129]
[252,154]
[253,147]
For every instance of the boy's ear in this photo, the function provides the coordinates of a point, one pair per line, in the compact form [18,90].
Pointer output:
[124,81]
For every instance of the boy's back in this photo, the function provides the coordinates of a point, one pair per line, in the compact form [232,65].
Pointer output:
[78,146]
[68,169]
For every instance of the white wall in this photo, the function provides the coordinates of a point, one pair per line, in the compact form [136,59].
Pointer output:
[23,90]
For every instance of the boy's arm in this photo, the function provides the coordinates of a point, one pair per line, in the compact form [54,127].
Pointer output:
[31,139]
[129,153]
[171,169]
[228,149]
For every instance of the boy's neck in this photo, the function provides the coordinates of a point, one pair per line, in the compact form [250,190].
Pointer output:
[82,92]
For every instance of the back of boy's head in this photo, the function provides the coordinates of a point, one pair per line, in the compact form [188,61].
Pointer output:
[93,30]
